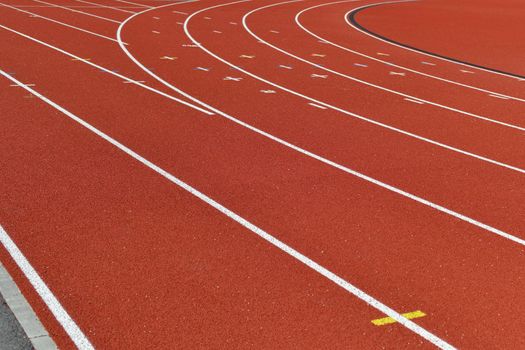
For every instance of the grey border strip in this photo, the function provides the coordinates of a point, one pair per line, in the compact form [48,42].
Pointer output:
[24,313]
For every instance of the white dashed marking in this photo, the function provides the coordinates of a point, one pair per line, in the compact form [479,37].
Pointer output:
[317,106]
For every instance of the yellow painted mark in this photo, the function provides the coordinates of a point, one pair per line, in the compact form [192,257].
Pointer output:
[388,320]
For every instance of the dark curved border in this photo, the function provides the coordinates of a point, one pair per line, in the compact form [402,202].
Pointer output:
[351,18]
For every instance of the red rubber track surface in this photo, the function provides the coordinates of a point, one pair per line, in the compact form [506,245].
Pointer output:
[139,262]
[484,34]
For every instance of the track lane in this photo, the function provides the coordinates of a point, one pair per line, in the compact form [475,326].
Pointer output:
[492,23]
[379,56]
[430,64]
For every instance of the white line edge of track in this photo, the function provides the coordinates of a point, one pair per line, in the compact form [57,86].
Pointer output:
[418,52]
[61,315]
[187,104]
[58,22]
[76,334]
[395,92]
[357,116]
[307,153]
[386,62]
[23,312]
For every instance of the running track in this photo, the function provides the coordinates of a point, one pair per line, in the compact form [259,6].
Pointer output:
[265,174]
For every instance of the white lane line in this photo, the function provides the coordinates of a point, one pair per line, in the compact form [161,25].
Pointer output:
[297,20]
[409,49]
[60,23]
[109,71]
[499,96]
[104,6]
[414,101]
[74,333]
[47,296]
[134,3]
[77,11]
[452,109]
[303,151]
[23,312]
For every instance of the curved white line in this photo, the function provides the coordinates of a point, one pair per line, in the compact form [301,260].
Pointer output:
[75,333]
[512,126]
[386,62]
[409,49]
[302,150]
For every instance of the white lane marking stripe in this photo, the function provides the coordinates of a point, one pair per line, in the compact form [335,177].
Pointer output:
[415,101]
[297,20]
[110,71]
[77,11]
[452,109]
[499,96]
[105,6]
[61,315]
[418,52]
[60,23]
[304,151]
[73,328]
[134,3]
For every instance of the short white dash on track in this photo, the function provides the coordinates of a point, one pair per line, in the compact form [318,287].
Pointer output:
[156,32]
[133,82]
[268,91]
[17,85]
[428,63]
[217,31]
[274,31]
[382,54]
[317,106]
[232,79]
[397,73]
[180,12]
[466,71]
[322,76]
[360,65]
